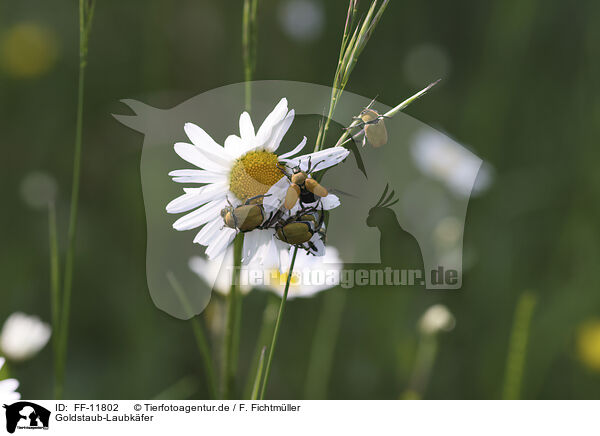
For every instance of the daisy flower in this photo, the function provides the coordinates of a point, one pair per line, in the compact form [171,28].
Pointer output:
[440,158]
[245,166]
[311,274]
[23,336]
[8,387]
[217,273]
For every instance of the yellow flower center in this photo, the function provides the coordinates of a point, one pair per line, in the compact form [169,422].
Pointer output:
[253,174]
[282,278]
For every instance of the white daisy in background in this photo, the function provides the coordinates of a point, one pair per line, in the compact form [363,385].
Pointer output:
[245,167]
[440,158]
[23,336]
[311,274]
[8,387]
[217,273]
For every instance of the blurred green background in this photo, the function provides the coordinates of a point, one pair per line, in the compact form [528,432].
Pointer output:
[519,87]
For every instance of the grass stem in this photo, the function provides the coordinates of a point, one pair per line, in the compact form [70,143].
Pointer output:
[266,329]
[517,348]
[278,325]
[323,346]
[232,329]
[199,335]
[86,14]
[258,377]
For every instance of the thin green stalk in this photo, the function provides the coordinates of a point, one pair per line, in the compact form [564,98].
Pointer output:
[54,283]
[183,389]
[424,361]
[266,329]
[350,49]
[389,114]
[201,341]
[277,325]
[232,330]
[86,14]
[323,346]
[258,377]
[249,47]
[517,348]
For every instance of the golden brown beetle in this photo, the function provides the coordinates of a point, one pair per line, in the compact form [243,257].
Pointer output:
[245,217]
[374,129]
[300,228]
[303,187]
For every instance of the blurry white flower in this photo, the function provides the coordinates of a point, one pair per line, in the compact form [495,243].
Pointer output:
[302,20]
[435,319]
[38,189]
[23,336]
[312,274]
[8,387]
[245,167]
[439,157]
[217,273]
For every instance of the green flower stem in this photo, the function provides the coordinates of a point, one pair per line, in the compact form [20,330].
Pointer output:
[266,329]
[425,359]
[249,47]
[323,345]
[258,377]
[197,329]
[277,326]
[517,349]
[232,329]
[54,282]
[86,14]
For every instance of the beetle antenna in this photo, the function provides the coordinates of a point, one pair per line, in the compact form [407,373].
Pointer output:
[372,101]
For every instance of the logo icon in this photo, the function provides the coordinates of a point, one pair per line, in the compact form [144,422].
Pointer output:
[26,415]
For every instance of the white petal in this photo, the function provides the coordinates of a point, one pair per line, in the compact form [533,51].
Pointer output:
[275,196]
[246,128]
[195,156]
[209,231]
[276,115]
[197,176]
[250,246]
[222,241]
[195,197]
[330,201]
[296,150]
[279,132]
[200,216]
[270,259]
[318,243]
[9,385]
[204,142]
[234,146]
[319,160]
[272,119]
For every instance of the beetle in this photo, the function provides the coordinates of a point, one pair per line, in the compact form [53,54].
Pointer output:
[373,127]
[303,187]
[300,228]
[245,217]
